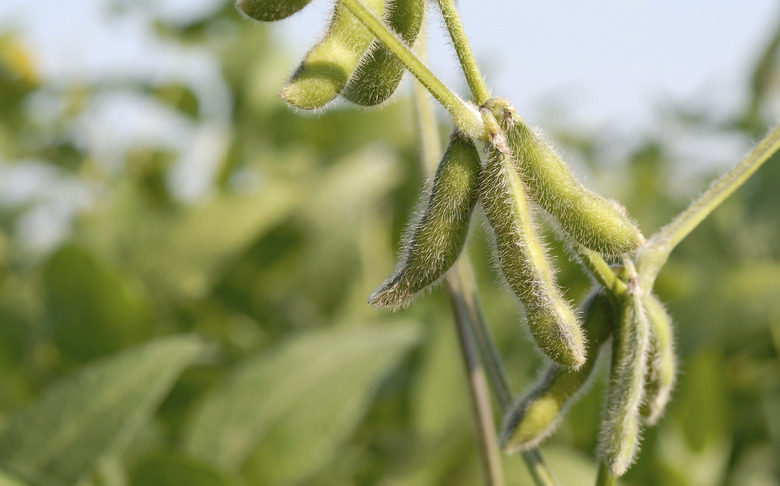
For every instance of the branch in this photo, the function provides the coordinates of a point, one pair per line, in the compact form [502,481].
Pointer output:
[476,83]
[657,249]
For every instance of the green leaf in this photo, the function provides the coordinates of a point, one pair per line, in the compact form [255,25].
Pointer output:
[178,251]
[291,407]
[56,439]
[176,470]
[7,480]
[90,308]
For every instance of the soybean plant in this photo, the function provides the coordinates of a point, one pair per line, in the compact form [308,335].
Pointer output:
[495,160]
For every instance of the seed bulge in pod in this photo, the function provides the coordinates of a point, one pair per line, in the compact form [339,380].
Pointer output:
[269,10]
[436,238]
[538,413]
[523,259]
[329,65]
[380,72]
[588,218]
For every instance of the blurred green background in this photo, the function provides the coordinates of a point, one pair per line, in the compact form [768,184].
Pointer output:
[155,334]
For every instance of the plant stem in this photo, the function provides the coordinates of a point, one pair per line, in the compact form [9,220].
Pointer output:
[605,476]
[655,253]
[487,347]
[599,269]
[425,118]
[465,56]
[466,117]
[480,400]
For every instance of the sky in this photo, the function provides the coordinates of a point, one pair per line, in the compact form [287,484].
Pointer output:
[605,61]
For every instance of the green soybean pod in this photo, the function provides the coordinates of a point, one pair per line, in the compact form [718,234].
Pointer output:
[523,260]
[380,72]
[619,436]
[436,238]
[588,218]
[269,10]
[539,412]
[662,364]
[327,67]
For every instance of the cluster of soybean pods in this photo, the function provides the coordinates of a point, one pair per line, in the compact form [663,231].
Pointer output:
[519,170]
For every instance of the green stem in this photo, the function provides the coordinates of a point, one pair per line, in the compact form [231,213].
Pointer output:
[466,117]
[487,347]
[480,400]
[425,117]
[599,269]
[476,83]
[657,249]
[605,476]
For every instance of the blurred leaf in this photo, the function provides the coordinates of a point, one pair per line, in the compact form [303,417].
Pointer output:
[177,96]
[291,407]
[90,309]
[692,442]
[176,470]
[179,250]
[6,480]
[440,396]
[56,439]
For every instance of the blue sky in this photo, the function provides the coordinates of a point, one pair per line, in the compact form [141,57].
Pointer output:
[606,61]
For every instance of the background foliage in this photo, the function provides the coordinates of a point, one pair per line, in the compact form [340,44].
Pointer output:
[224,339]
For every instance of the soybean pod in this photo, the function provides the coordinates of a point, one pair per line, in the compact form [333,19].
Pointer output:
[539,412]
[436,239]
[328,66]
[588,218]
[619,436]
[662,364]
[269,10]
[523,259]
[380,72]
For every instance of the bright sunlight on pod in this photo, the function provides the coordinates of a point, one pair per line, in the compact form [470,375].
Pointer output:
[588,218]
[330,64]
[380,73]
[523,260]
[539,412]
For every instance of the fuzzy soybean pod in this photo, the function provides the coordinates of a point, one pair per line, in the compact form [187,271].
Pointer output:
[380,71]
[329,65]
[539,412]
[435,240]
[662,363]
[619,436]
[588,218]
[523,261]
[269,10]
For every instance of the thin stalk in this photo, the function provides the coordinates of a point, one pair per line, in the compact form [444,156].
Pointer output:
[599,269]
[605,476]
[494,366]
[466,117]
[655,253]
[476,83]
[480,400]
[425,117]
